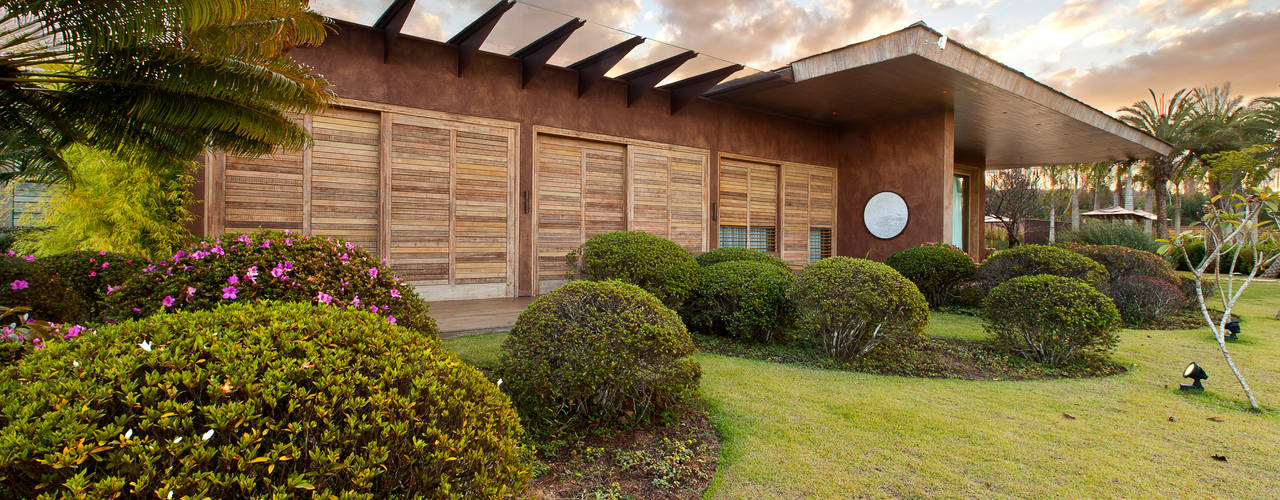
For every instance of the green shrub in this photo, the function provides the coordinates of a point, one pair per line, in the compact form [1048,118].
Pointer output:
[853,305]
[968,295]
[1027,260]
[1243,256]
[745,300]
[270,265]
[1195,255]
[596,352]
[728,254]
[937,269]
[23,283]
[1124,261]
[1188,288]
[1111,233]
[1050,319]
[653,263]
[256,400]
[92,275]
[1142,300]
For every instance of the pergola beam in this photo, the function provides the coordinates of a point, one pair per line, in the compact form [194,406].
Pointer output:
[469,40]
[592,69]
[645,78]
[391,22]
[535,55]
[688,89]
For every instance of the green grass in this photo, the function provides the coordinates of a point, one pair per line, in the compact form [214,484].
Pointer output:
[798,432]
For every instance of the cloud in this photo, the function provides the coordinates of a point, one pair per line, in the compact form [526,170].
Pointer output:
[1239,49]
[619,14]
[1106,37]
[1162,11]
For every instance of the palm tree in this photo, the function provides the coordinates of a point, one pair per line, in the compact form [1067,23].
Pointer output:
[1168,120]
[161,79]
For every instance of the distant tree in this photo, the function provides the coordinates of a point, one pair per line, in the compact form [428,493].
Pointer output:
[1012,196]
[159,79]
[1168,120]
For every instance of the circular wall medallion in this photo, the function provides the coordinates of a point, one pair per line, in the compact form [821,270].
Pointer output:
[885,215]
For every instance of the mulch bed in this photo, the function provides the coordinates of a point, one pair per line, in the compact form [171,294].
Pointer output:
[671,461]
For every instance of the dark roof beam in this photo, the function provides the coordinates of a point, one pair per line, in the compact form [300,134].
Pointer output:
[469,40]
[688,89]
[535,55]
[645,78]
[391,22]
[592,69]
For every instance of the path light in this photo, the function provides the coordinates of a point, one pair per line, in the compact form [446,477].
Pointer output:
[1196,374]
[1233,328]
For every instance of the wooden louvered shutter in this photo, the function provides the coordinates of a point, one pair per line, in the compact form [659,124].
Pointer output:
[748,204]
[344,176]
[808,213]
[667,194]
[580,193]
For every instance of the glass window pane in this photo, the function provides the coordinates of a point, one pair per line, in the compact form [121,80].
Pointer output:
[959,211]
[733,236]
[819,243]
[763,239]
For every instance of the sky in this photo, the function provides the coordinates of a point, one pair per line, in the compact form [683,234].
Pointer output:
[1105,53]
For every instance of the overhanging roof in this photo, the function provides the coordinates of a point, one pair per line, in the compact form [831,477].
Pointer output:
[1000,114]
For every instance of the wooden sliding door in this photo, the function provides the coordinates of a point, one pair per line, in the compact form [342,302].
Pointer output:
[580,192]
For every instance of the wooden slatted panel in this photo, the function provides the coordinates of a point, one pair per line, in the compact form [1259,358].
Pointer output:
[688,201]
[822,203]
[733,193]
[481,170]
[264,192]
[420,172]
[580,193]
[650,183]
[763,192]
[795,215]
[749,197]
[344,176]
[668,194]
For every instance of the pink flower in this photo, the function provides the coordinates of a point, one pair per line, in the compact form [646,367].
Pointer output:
[39,344]
[323,298]
[391,319]
[105,264]
[217,249]
[74,331]
[178,255]
[191,292]
[29,258]
[233,279]
[229,292]
[244,238]
[344,256]
[252,273]
[112,289]
[277,271]
[136,309]
[355,301]
[11,253]
[18,285]
[93,273]
[288,242]
[102,252]
[373,309]
[148,269]
[167,302]
[266,243]
[373,272]
[350,245]
[395,293]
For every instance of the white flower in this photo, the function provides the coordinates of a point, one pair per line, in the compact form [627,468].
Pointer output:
[146,346]
[75,363]
[177,439]
[207,435]
[129,434]
[499,382]
[170,494]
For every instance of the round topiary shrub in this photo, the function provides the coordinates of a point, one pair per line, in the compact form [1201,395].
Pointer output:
[1028,260]
[270,265]
[1142,300]
[937,269]
[1124,261]
[1050,319]
[653,263]
[728,254]
[741,299]
[256,400]
[92,275]
[595,352]
[22,283]
[853,305]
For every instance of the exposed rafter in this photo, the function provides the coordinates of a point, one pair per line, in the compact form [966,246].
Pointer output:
[643,79]
[690,88]
[535,55]
[591,69]
[753,83]
[469,40]
[391,22]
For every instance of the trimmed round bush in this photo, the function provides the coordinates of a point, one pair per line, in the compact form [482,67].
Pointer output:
[596,352]
[270,265]
[1142,300]
[93,274]
[853,305]
[257,400]
[1028,260]
[23,283]
[937,270]
[741,299]
[729,254]
[1050,319]
[1124,261]
[656,264]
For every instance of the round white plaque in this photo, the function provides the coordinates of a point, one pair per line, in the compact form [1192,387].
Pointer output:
[885,215]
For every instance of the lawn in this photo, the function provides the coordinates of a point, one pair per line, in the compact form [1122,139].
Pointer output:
[797,432]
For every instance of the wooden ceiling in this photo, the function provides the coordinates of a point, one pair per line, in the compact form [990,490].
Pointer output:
[1000,114]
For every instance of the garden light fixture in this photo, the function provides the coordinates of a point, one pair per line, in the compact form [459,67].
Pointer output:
[1233,329]
[1196,374]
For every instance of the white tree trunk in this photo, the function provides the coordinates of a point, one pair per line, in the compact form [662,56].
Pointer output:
[1053,220]
[1128,189]
[1075,204]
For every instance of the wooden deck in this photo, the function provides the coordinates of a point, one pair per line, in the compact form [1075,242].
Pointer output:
[468,317]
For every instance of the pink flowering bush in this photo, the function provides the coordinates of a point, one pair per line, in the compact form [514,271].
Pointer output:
[270,265]
[92,275]
[25,284]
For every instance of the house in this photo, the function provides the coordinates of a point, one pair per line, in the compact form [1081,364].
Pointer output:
[473,172]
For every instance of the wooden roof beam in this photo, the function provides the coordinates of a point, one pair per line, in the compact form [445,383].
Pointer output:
[391,22]
[684,91]
[535,55]
[592,69]
[469,40]
[642,79]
